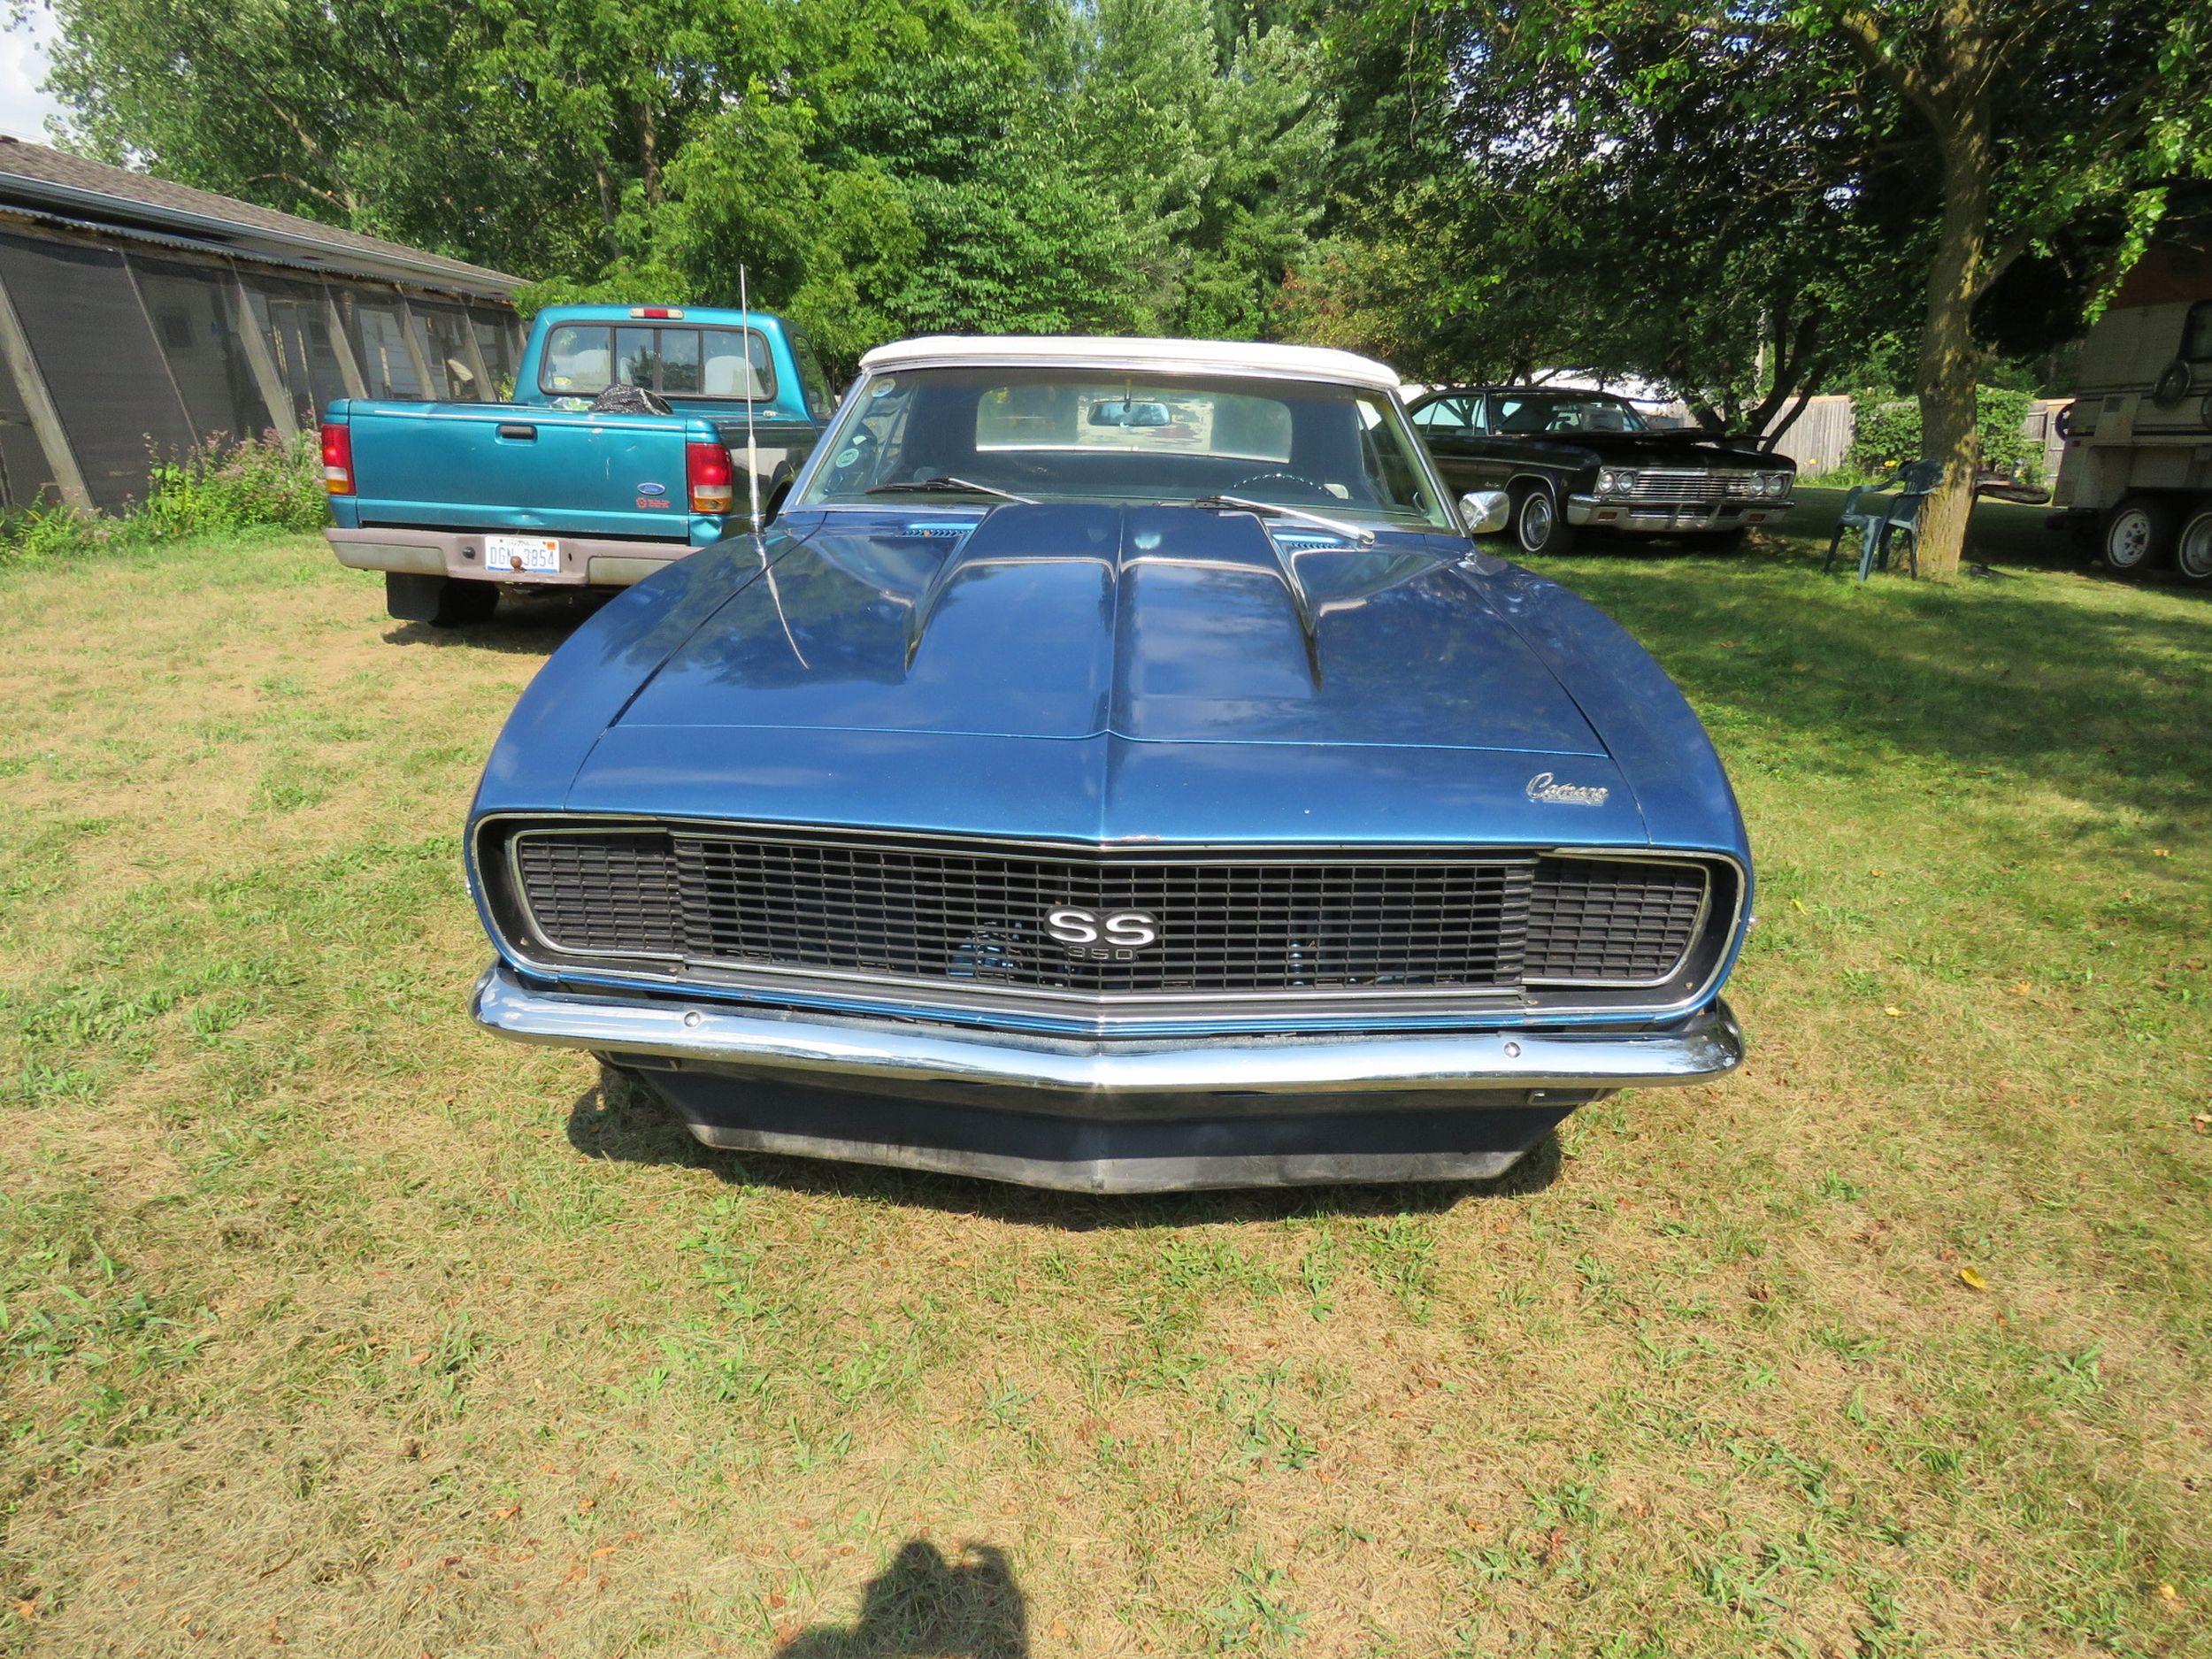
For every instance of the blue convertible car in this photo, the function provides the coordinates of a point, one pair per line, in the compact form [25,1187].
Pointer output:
[1114,767]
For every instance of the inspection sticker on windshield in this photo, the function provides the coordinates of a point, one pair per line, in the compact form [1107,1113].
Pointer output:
[522,553]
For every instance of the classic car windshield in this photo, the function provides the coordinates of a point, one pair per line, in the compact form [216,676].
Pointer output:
[1520,412]
[1055,434]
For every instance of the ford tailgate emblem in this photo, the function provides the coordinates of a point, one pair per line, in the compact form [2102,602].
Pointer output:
[652,490]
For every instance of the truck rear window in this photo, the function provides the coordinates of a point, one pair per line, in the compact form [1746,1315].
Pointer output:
[583,359]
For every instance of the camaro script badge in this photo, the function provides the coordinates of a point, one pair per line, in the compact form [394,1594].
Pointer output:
[1543,786]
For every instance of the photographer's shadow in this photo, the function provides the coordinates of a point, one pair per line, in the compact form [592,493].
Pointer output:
[925,1607]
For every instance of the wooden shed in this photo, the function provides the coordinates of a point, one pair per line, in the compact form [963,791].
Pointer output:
[139,318]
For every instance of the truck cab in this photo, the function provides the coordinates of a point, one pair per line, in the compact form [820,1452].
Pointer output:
[454,501]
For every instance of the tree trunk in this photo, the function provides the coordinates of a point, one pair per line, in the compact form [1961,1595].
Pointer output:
[648,149]
[606,192]
[1948,432]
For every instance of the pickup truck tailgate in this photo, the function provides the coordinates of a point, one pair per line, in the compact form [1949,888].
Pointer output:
[505,466]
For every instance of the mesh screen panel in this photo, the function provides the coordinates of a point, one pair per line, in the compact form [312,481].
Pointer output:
[192,308]
[99,360]
[294,319]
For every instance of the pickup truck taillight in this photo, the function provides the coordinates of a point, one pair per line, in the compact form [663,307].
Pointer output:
[338,460]
[712,483]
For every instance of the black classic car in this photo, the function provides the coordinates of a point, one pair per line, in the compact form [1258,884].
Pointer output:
[1578,459]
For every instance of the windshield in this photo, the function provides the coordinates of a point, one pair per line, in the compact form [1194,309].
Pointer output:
[1054,434]
[1515,411]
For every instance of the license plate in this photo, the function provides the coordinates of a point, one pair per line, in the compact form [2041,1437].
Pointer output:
[541,554]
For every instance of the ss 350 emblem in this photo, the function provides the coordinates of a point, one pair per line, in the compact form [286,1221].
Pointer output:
[1103,935]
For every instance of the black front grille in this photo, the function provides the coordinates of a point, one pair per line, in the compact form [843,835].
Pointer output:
[1611,921]
[976,918]
[610,894]
[1230,926]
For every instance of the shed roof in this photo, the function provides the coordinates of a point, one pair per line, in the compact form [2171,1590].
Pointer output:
[40,178]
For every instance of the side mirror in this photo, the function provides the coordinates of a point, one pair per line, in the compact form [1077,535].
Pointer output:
[1485,511]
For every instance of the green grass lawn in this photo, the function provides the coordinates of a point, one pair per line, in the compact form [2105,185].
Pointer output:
[328,1322]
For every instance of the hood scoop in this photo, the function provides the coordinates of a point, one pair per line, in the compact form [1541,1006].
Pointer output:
[1173,624]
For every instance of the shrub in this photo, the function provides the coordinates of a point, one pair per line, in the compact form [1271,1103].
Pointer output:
[1886,432]
[266,480]
[269,481]
[52,531]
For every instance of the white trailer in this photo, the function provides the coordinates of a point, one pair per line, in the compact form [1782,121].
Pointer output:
[2135,480]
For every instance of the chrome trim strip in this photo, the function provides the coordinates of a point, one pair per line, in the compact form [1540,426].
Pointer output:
[1707,1046]
[1092,1012]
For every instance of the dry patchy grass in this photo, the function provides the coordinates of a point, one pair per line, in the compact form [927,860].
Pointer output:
[329,1323]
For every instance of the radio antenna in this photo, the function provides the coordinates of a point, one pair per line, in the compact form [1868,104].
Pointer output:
[752,454]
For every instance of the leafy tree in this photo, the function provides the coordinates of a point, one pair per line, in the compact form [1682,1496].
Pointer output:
[355,112]
[878,166]
[1838,169]
[2033,117]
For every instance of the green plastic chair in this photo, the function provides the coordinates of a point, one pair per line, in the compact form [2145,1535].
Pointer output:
[1877,518]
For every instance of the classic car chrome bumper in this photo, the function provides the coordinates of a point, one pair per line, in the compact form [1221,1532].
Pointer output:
[1111,1115]
[1617,512]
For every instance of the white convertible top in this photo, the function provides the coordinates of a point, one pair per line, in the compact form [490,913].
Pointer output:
[1108,351]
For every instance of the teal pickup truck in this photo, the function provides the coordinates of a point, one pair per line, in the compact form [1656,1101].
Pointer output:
[454,501]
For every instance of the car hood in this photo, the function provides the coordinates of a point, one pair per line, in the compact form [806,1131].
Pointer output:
[1098,674]
[1674,449]
[1156,624]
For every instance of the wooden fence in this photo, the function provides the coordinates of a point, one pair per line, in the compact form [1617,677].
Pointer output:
[1819,440]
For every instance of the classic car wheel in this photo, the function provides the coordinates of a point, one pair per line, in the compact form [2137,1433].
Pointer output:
[1539,526]
[2137,531]
[2192,552]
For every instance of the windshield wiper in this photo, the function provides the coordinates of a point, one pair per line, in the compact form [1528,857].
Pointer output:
[946,484]
[1276,509]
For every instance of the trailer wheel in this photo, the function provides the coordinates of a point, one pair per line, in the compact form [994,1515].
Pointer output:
[2137,532]
[2193,549]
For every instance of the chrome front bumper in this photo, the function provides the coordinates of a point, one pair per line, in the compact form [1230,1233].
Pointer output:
[1110,1116]
[1615,512]
[1099,1076]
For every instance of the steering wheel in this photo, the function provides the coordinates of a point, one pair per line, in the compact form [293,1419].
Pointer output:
[1303,483]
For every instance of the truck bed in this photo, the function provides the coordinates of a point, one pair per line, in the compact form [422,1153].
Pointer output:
[539,470]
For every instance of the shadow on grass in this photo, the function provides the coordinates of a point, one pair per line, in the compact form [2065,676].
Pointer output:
[526,624]
[925,1607]
[623,1121]
[2099,700]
